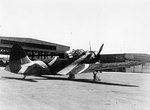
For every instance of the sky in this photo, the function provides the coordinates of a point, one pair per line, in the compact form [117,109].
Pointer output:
[122,25]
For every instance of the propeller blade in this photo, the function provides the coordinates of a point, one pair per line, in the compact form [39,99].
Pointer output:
[100,49]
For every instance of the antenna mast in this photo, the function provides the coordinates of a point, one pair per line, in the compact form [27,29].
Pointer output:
[90,46]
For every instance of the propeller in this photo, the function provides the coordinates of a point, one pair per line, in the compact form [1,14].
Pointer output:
[94,56]
[98,54]
[93,52]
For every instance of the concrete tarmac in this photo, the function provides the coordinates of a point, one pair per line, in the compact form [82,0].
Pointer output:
[116,91]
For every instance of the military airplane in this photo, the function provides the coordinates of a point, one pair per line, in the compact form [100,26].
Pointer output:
[82,61]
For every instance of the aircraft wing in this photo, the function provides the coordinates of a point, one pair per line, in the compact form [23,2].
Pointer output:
[85,68]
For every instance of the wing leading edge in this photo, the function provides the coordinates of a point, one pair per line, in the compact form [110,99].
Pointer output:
[85,68]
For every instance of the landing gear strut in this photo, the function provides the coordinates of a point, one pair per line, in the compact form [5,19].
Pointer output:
[24,76]
[96,77]
[71,76]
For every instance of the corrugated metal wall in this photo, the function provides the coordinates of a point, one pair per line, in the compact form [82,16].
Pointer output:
[143,68]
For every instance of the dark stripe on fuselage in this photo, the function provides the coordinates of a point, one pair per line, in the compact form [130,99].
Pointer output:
[87,59]
[60,64]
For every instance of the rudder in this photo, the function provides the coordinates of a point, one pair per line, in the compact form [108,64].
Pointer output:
[17,57]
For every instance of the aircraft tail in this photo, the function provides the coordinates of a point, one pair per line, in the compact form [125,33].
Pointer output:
[17,57]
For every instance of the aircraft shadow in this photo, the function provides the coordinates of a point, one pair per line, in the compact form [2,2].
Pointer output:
[66,79]
[29,80]
[85,81]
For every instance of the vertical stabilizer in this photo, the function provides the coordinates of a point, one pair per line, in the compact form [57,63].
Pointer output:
[17,57]
[17,52]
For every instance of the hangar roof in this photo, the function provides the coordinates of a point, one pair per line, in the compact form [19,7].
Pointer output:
[60,48]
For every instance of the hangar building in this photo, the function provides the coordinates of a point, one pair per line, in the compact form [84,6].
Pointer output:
[36,49]
[144,67]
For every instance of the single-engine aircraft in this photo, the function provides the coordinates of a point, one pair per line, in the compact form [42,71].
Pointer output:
[82,61]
